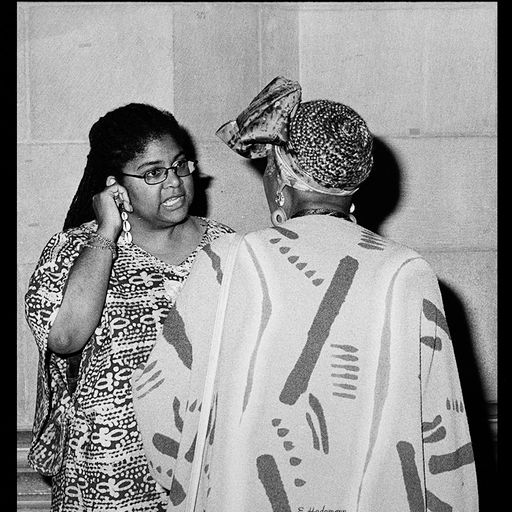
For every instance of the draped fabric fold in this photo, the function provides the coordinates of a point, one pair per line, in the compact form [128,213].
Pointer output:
[337,385]
[265,121]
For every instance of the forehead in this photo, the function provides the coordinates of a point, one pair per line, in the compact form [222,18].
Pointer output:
[163,148]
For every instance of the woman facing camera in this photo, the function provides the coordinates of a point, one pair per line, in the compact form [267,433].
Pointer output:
[332,384]
[100,289]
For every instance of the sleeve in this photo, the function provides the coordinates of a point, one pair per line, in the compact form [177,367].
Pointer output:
[42,302]
[449,468]
[47,284]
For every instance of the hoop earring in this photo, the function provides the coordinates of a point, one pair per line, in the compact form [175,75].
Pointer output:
[126,227]
[278,217]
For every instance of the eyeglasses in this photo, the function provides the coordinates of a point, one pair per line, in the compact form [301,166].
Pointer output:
[181,168]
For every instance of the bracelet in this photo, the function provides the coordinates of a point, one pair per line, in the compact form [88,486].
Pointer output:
[102,243]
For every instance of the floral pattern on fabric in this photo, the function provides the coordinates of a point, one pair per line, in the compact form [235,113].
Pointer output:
[105,468]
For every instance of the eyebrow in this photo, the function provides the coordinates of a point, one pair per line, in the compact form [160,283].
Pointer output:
[154,162]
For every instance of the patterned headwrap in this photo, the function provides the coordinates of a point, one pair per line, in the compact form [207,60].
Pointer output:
[319,145]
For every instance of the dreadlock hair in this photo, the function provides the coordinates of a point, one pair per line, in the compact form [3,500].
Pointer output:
[114,140]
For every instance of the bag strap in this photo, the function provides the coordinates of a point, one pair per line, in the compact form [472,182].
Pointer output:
[210,375]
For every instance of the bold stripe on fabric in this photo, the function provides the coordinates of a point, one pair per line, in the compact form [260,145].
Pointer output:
[450,461]
[215,260]
[174,333]
[266,310]
[286,232]
[411,476]
[297,381]
[269,476]
[432,313]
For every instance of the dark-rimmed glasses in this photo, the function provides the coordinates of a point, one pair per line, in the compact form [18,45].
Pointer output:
[158,175]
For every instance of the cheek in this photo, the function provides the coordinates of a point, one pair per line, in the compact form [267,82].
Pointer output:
[188,185]
[270,190]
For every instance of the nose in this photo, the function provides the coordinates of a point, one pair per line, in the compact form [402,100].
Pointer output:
[172,180]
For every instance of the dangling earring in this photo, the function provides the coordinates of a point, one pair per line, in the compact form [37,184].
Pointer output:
[279,216]
[352,210]
[126,225]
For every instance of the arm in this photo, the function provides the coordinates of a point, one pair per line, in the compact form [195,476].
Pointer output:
[86,286]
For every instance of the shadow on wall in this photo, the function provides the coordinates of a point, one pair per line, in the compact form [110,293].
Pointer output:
[199,206]
[379,194]
[477,411]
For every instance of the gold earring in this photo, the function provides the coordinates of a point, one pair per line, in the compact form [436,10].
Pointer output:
[278,216]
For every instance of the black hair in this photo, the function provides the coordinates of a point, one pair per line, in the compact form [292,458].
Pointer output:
[115,139]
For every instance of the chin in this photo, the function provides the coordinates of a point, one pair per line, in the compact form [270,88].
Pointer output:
[177,217]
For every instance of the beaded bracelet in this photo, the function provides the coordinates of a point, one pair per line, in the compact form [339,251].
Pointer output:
[102,243]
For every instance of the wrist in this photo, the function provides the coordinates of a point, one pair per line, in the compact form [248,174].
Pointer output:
[98,241]
[108,233]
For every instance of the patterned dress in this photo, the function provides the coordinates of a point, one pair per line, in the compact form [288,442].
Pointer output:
[336,390]
[105,468]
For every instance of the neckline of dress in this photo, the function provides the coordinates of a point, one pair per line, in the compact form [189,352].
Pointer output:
[186,261]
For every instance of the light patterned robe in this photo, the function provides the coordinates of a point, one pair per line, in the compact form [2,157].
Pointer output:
[337,387]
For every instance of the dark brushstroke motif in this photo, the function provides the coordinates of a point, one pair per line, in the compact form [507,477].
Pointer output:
[266,311]
[215,260]
[437,435]
[371,241]
[316,441]
[344,395]
[411,476]
[426,425]
[148,368]
[297,381]
[344,386]
[433,314]
[174,333]
[286,232]
[156,385]
[269,476]
[318,410]
[288,445]
[450,461]
[189,456]
[347,348]
[434,504]
[433,343]
[166,445]
[150,379]
[177,494]
[178,420]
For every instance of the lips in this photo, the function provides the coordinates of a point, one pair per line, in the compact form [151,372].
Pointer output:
[173,201]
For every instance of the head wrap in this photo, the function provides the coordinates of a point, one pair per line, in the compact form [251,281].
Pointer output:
[319,145]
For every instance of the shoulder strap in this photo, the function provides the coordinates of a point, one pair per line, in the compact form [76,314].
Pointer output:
[210,374]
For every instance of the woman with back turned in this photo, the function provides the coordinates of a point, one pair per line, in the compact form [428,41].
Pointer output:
[100,289]
[336,386]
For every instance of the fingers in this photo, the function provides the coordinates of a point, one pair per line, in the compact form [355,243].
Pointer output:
[119,193]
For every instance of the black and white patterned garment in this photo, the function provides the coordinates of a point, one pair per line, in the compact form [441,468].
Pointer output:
[104,468]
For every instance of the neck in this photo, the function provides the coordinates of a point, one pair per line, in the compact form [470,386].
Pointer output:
[332,212]
[159,240]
